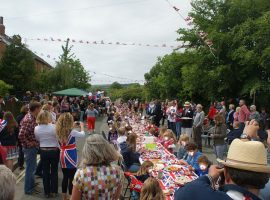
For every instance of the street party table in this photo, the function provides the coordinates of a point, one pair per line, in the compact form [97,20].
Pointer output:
[167,169]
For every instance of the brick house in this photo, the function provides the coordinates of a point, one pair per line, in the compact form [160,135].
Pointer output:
[41,65]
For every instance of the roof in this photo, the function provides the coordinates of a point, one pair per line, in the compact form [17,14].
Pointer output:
[71,92]
[7,40]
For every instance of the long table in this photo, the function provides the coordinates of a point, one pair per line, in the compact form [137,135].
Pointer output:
[168,180]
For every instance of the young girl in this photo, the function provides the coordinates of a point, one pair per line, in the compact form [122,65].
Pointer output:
[121,135]
[129,153]
[152,129]
[66,135]
[142,175]
[162,130]
[112,135]
[151,190]
[144,171]
[91,113]
[169,140]
[8,139]
[182,152]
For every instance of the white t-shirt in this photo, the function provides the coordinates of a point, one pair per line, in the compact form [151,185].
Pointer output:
[171,117]
[46,135]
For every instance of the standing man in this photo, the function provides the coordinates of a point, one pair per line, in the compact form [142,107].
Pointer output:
[187,120]
[243,114]
[30,145]
[197,126]
[157,113]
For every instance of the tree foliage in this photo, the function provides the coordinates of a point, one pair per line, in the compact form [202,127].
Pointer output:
[237,65]
[17,66]
[115,85]
[4,88]
[133,91]
[69,72]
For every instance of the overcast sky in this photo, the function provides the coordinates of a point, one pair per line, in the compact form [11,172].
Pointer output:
[125,21]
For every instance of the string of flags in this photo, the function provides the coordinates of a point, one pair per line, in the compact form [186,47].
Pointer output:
[102,42]
[201,34]
[95,73]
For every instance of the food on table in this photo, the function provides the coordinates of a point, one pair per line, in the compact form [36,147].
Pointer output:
[148,155]
[174,168]
[182,180]
[158,167]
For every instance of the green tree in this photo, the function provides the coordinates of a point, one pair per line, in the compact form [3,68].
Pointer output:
[4,88]
[237,64]
[69,72]
[115,85]
[17,66]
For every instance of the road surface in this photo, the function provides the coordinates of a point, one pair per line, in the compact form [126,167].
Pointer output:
[101,125]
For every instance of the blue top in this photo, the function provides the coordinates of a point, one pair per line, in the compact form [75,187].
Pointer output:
[193,160]
[199,189]
[200,173]
[129,156]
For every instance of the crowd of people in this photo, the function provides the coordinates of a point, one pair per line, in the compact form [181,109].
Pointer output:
[50,126]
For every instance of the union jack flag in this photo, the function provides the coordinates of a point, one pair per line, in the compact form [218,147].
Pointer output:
[3,124]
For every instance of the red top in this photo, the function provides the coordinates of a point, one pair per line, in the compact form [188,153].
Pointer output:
[212,112]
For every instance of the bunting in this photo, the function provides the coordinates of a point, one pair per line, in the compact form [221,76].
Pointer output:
[201,34]
[102,42]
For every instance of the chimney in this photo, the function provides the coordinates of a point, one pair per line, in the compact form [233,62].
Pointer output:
[2,27]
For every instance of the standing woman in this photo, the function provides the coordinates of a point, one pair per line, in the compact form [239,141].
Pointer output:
[8,139]
[218,135]
[91,113]
[66,135]
[49,152]
[65,107]
[24,110]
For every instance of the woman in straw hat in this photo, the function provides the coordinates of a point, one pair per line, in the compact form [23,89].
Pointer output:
[245,170]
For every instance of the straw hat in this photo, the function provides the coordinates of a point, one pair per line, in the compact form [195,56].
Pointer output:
[249,156]
[187,103]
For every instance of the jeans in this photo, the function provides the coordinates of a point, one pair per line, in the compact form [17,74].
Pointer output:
[134,168]
[50,160]
[31,165]
[82,116]
[219,150]
[178,129]
[173,127]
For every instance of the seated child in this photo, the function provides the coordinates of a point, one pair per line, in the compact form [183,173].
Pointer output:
[193,155]
[152,190]
[110,119]
[142,175]
[169,140]
[204,165]
[121,135]
[145,171]
[235,133]
[112,135]
[183,141]
[162,130]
